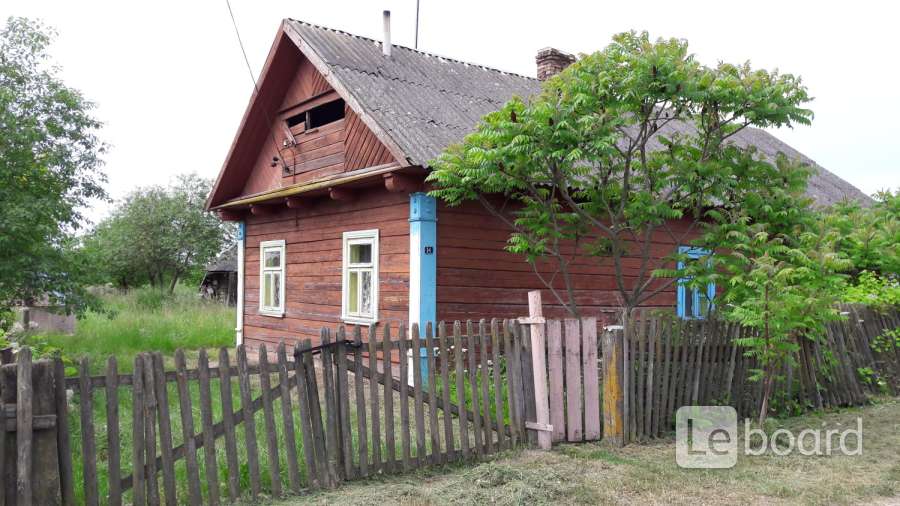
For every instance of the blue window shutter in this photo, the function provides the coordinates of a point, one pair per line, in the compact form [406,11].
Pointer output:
[694,293]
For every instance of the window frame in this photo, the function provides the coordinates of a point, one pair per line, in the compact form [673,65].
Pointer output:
[277,311]
[684,291]
[370,237]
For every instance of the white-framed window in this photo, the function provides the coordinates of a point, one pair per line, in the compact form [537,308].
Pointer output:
[359,297]
[271,278]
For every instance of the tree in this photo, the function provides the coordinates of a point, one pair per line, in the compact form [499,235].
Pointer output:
[869,236]
[50,169]
[618,147]
[158,235]
[781,270]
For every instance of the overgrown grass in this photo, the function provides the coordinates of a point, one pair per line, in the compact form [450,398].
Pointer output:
[142,320]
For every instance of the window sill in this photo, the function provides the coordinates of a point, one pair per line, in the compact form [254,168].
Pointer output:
[365,322]
[273,314]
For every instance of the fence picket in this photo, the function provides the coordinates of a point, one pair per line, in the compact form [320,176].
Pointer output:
[287,418]
[332,441]
[138,494]
[404,399]
[88,448]
[315,416]
[306,426]
[206,420]
[460,390]
[485,387]
[421,450]
[150,430]
[249,422]
[114,455]
[502,441]
[269,420]
[374,402]
[573,380]
[344,405]
[389,431]
[555,380]
[187,425]
[436,457]
[650,371]
[165,429]
[592,415]
[444,353]
[228,424]
[473,386]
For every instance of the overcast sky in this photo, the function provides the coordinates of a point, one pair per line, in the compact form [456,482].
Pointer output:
[171,85]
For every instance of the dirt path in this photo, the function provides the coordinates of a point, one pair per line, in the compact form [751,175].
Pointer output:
[647,474]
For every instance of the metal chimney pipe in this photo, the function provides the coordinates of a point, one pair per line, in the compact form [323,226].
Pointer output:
[386,44]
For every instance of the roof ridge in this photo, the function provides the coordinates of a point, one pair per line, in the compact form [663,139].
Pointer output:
[425,53]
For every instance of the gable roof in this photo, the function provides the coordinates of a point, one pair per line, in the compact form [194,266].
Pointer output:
[418,103]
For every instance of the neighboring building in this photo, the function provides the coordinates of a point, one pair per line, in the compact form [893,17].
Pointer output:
[220,281]
[325,176]
[44,316]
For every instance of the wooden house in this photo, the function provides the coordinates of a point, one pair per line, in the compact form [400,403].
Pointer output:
[325,177]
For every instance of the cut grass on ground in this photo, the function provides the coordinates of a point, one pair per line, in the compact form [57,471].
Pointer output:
[648,474]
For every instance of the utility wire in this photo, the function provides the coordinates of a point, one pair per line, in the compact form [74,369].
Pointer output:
[256,87]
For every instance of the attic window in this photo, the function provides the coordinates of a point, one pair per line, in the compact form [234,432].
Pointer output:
[318,116]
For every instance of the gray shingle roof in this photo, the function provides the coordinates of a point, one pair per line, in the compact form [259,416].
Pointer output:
[426,102]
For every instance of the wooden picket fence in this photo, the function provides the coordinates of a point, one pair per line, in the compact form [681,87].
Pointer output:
[346,409]
[356,406]
[670,363]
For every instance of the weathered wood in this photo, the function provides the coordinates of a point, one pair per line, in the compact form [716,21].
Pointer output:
[591,379]
[389,438]
[206,419]
[651,369]
[228,424]
[485,387]
[150,407]
[63,438]
[114,464]
[539,369]
[404,399]
[613,388]
[557,388]
[139,497]
[421,450]
[444,354]
[432,406]
[512,388]
[502,441]
[660,418]
[641,357]
[362,428]
[165,430]
[306,426]
[249,422]
[332,431]
[6,485]
[473,387]
[574,425]
[460,390]
[529,412]
[265,385]
[318,430]
[187,427]
[24,429]
[287,419]
[343,390]
[88,445]
[374,402]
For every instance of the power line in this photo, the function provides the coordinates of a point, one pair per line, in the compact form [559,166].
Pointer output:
[256,88]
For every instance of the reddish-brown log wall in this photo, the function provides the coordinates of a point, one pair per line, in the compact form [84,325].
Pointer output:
[313,271]
[478,278]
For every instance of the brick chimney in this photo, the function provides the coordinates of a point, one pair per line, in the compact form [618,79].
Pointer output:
[551,61]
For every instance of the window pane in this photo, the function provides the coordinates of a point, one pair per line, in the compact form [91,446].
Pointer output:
[360,253]
[273,258]
[267,290]
[276,289]
[689,302]
[704,304]
[366,292]
[353,295]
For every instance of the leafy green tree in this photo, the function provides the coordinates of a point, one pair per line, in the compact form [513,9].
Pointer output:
[158,235]
[618,147]
[50,169]
[870,236]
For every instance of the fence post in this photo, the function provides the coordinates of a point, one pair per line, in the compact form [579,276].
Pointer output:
[535,318]
[613,388]
[31,458]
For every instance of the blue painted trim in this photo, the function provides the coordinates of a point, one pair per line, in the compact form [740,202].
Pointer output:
[423,259]
[241,231]
[682,289]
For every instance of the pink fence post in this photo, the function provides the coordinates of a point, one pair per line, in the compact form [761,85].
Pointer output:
[535,318]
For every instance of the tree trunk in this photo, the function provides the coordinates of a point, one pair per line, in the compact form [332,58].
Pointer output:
[173,283]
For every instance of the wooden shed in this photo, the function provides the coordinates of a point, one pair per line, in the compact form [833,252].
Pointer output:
[326,179]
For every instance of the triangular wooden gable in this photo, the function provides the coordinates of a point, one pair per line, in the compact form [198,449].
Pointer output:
[267,155]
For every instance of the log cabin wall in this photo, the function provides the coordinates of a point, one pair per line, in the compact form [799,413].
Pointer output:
[312,153]
[478,278]
[313,256]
